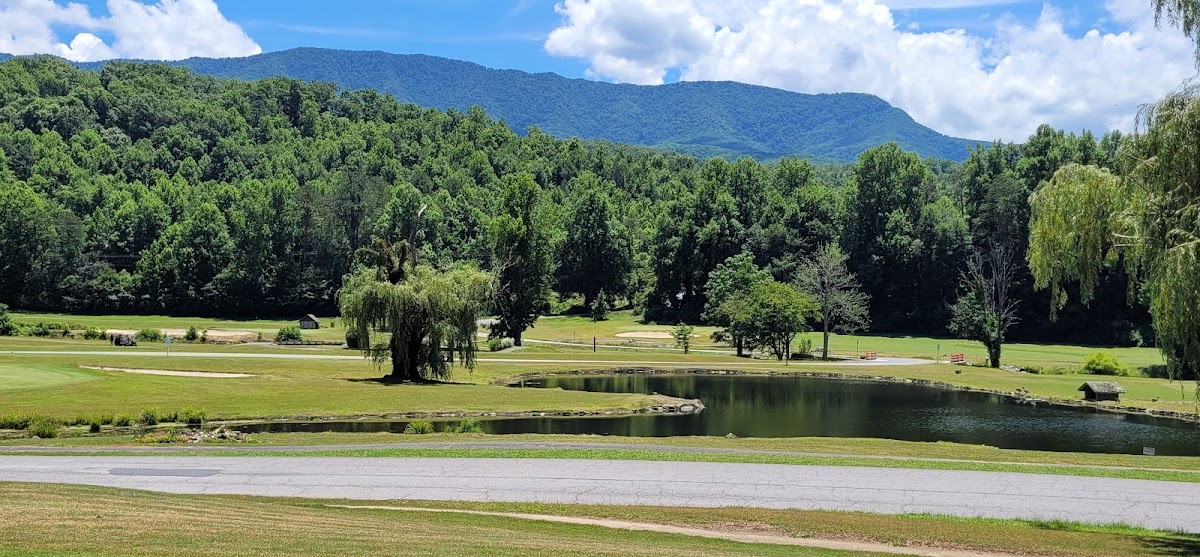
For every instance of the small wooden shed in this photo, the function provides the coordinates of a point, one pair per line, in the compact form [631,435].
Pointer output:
[310,321]
[1101,390]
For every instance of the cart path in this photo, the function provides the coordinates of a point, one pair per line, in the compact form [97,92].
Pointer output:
[744,537]
[1151,504]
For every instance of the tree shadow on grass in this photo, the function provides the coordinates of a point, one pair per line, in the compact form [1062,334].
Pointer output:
[393,383]
[1178,545]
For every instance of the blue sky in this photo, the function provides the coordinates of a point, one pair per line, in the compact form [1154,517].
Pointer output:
[510,33]
[988,69]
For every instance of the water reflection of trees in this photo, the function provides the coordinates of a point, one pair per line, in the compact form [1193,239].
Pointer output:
[786,406]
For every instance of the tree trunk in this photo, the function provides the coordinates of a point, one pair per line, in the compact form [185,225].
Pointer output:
[517,338]
[994,354]
[825,340]
[739,344]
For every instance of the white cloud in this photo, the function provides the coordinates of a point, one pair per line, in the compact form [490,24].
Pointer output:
[163,30]
[998,87]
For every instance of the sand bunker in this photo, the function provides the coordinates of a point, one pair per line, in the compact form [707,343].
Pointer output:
[648,334]
[170,372]
[214,335]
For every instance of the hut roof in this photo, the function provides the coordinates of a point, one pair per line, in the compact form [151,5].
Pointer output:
[310,317]
[1102,387]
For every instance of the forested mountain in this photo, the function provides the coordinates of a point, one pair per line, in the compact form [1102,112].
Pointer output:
[148,188]
[699,118]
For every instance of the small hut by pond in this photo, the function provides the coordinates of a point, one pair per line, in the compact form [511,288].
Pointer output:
[1096,391]
[310,321]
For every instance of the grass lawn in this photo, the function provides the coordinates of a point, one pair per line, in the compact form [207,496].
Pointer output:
[582,329]
[316,387]
[285,388]
[823,451]
[53,519]
[268,327]
[888,448]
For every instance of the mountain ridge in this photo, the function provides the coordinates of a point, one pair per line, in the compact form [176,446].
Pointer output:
[702,118]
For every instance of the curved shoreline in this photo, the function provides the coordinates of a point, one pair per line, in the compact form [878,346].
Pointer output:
[1186,417]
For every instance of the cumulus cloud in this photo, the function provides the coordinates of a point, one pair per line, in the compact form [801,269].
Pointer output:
[996,87]
[163,30]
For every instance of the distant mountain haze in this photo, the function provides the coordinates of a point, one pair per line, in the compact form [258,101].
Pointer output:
[700,118]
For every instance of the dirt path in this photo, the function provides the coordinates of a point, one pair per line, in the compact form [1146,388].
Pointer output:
[732,535]
[173,373]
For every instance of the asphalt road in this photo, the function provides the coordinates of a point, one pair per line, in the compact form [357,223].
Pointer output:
[1162,505]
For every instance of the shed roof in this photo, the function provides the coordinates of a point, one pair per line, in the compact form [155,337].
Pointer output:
[310,317]
[1103,387]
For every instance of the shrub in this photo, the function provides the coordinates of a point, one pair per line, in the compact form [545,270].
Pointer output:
[803,349]
[149,416]
[1102,363]
[95,333]
[352,340]
[683,336]
[148,335]
[600,306]
[124,420]
[290,333]
[419,427]
[498,344]
[107,419]
[162,436]
[38,330]
[469,425]
[15,421]
[1053,370]
[94,425]
[193,416]
[168,418]
[192,335]
[44,427]
[7,327]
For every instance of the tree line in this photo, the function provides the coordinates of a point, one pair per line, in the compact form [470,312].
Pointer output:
[147,188]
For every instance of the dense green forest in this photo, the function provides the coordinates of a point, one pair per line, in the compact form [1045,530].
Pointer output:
[148,188]
[699,118]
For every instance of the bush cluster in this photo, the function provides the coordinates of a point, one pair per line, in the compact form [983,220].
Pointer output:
[498,344]
[419,427]
[44,427]
[95,333]
[192,416]
[290,333]
[148,335]
[1102,363]
[352,340]
[469,425]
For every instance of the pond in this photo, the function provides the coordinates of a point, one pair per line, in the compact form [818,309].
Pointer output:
[787,406]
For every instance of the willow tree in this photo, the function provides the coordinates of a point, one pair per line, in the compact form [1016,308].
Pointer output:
[1184,14]
[1146,218]
[431,315]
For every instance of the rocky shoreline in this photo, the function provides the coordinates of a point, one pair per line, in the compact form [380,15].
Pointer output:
[1020,397]
[668,406]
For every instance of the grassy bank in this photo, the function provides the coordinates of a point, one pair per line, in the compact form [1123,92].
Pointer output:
[53,519]
[815,451]
[889,448]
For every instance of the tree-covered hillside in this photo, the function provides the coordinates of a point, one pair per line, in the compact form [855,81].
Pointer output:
[148,188]
[699,118]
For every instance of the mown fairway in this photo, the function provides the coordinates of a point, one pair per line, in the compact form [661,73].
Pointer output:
[50,519]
